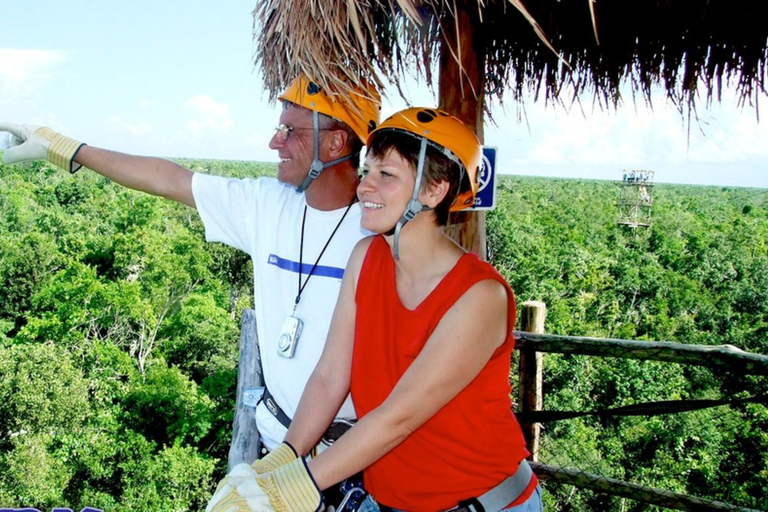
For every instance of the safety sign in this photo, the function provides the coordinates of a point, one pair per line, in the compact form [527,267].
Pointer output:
[486,191]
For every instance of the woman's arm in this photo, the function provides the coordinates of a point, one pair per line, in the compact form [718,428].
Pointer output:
[458,349]
[328,385]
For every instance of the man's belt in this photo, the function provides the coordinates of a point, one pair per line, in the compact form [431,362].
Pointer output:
[335,431]
[497,498]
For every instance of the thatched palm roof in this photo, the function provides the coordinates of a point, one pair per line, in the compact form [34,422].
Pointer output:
[691,48]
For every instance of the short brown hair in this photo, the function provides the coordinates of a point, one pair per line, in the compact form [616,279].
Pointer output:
[437,166]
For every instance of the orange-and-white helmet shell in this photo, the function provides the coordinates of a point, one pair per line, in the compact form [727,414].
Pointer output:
[361,113]
[448,132]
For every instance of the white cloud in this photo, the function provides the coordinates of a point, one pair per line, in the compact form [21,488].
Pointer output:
[730,135]
[209,114]
[23,71]
[121,125]
[256,146]
[634,136]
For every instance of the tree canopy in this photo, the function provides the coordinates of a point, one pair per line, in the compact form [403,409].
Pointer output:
[119,337]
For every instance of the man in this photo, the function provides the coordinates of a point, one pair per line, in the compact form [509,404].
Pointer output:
[299,242]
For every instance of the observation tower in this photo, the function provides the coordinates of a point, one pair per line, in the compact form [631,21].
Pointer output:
[635,198]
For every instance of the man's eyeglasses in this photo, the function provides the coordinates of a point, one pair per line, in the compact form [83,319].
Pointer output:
[283,131]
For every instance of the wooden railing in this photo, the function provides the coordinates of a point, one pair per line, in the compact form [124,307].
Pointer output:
[245,437]
[532,343]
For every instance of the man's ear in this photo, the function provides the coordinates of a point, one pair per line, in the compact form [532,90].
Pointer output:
[336,143]
[435,193]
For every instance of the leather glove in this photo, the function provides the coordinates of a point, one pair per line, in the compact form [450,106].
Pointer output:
[31,142]
[289,488]
[280,456]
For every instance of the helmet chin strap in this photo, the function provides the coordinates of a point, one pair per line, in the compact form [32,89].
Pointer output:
[317,165]
[414,206]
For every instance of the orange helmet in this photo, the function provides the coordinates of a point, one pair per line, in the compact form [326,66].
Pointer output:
[449,135]
[362,115]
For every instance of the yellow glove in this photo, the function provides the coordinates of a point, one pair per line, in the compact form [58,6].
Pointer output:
[291,488]
[30,142]
[239,492]
[280,456]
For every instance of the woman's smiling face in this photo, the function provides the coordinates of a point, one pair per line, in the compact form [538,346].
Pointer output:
[385,190]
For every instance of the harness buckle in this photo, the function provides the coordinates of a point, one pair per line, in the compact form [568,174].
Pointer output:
[471,505]
[271,405]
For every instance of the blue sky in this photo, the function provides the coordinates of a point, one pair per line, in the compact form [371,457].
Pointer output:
[175,78]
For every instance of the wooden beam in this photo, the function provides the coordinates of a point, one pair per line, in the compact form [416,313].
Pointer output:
[462,94]
[726,357]
[637,492]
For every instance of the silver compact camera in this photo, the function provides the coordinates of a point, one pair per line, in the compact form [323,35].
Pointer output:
[289,337]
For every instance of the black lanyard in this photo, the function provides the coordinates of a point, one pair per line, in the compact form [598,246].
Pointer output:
[301,251]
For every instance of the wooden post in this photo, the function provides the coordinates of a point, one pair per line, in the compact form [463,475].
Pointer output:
[534,314]
[245,436]
[462,94]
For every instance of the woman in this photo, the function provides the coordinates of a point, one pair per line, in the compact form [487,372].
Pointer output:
[421,336]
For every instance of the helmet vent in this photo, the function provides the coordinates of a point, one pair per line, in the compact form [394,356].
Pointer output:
[426,116]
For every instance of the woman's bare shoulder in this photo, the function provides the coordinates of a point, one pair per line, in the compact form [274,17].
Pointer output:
[355,262]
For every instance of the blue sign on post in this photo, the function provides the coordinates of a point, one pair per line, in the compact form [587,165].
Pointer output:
[486,191]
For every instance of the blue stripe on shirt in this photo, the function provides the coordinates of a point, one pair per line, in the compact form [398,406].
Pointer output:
[306,268]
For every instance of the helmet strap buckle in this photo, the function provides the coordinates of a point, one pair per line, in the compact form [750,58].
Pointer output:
[414,205]
[318,165]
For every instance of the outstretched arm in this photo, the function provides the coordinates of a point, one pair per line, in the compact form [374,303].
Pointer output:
[152,175]
[155,176]
[456,352]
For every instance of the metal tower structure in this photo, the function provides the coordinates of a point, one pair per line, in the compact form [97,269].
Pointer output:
[635,198]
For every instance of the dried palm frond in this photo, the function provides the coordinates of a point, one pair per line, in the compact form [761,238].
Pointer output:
[688,47]
[340,42]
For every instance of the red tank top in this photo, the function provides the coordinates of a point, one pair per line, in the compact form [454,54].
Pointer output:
[474,441]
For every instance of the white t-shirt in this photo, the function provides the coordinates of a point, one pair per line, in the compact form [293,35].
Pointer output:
[263,217]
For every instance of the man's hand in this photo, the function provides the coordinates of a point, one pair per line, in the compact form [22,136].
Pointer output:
[239,492]
[31,142]
[289,488]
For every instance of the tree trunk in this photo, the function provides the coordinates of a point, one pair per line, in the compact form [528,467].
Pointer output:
[462,94]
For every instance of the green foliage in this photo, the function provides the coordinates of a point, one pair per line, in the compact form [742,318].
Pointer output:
[696,276]
[201,338]
[26,261]
[43,401]
[174,480]
[119,334]
[99,287]
[166,407]
[43,392]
